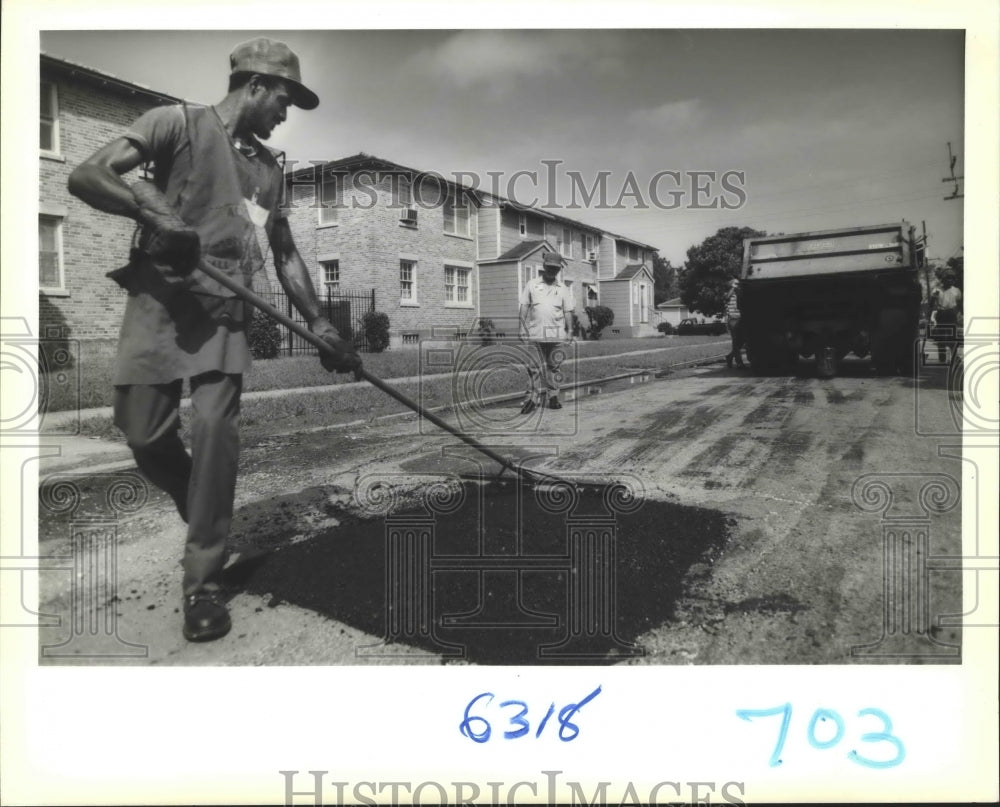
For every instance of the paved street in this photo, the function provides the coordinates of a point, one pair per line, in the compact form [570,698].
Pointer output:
[764,533]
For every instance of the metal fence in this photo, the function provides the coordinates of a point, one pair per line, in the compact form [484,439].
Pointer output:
[345,309]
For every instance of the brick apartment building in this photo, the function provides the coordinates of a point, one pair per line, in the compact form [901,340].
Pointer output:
[81,110]
[443,257]
[434,256]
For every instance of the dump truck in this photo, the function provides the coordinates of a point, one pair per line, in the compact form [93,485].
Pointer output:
[830,293]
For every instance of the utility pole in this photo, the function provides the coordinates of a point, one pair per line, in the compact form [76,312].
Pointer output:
[925,264]
[951,168]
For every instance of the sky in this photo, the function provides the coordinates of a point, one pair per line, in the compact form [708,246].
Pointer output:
[812,129]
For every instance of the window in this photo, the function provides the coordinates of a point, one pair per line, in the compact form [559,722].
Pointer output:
[50,264]
[456,285]
[408,282]
[565,243]
[633,252]
[404,202]
[329,199]
[49,133]
[456,215]
[405,192]
[522,225]
[331,276]
[588,245]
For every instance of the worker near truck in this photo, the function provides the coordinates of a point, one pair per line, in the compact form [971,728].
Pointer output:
[215,197]
[733,324]
[547,313]
[946,311]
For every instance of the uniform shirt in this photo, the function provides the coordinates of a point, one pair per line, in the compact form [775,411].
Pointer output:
[549,305]
[732,305]
[181,327]
[949,299]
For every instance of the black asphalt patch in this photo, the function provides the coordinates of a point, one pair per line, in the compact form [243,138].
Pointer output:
[508,576]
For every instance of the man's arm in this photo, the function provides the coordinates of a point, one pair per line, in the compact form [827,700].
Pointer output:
[292,272]
[97,181]
[295,280]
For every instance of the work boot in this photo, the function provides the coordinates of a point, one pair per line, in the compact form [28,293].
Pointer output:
[554,403]
[206,617]
[527,407]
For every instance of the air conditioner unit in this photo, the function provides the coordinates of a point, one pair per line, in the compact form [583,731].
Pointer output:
[409,216]
[592,257]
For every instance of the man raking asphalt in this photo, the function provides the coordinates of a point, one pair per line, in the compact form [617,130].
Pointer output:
[205,224]
[215,197]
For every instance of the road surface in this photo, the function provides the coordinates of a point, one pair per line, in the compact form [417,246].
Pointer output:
[769,514]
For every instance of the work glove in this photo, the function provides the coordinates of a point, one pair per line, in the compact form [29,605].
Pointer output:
[167,240]
[345,359]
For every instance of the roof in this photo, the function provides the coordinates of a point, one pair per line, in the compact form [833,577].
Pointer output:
[522,250]
[673,302]
[364,160]
[631,271]
[99,78]
[628,240]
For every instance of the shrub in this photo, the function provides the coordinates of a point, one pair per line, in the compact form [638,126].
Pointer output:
[375,325]
[600,317]
[485,331]
[264,336]
[666,328]
[339,314]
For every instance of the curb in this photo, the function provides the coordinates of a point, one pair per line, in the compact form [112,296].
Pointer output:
[55,420]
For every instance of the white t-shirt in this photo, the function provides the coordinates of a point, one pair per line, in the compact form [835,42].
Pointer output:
[548,304]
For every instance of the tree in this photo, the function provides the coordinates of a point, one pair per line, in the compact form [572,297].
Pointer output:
[710,266]
[664,280]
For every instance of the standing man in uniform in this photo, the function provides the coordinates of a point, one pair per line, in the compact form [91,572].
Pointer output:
[733,323]
[947,308]
[547,314]
[215,196]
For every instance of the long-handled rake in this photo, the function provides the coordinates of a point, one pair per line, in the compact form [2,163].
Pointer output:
[531,477]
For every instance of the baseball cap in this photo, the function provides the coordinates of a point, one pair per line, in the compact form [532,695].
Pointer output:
[553,259]
[271,58]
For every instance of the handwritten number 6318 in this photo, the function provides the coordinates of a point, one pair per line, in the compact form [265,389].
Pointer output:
[478,729]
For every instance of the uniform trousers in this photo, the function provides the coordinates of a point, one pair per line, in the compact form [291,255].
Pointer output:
[736,334]
[202,483]
[543,372]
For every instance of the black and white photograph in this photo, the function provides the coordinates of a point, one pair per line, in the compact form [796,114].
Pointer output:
[427,353]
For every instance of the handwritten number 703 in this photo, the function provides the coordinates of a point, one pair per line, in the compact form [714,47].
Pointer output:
[831,725]
[478,729]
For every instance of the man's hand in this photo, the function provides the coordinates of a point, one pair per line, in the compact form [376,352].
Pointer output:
[346,358]
[171,241]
